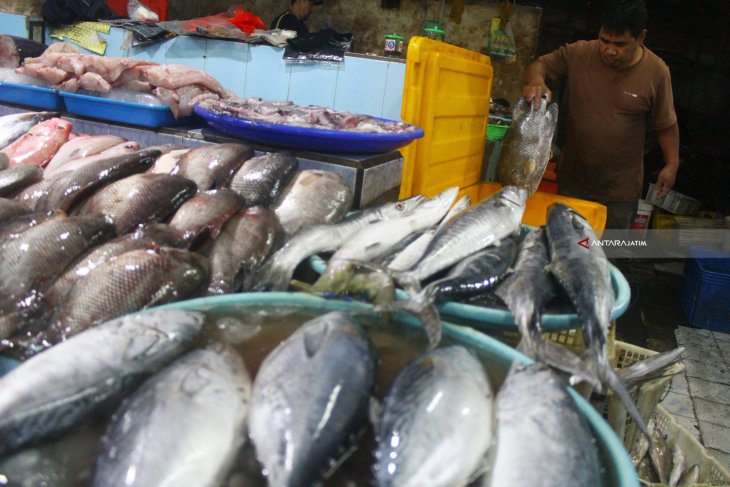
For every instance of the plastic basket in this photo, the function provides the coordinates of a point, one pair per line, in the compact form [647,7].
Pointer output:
[496,132]
[705,290]
[646,396]
[711,472]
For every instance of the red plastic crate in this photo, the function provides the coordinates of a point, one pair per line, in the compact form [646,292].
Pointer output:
[158,6]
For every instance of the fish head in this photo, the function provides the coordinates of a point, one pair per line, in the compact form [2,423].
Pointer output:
[440,202]
[514,195]
[400,208]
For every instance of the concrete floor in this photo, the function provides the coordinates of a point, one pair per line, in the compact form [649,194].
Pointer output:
[699,399]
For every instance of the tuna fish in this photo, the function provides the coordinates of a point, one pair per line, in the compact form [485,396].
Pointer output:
[527,144]
[55,390]
[14,126]
[313,197]
[542,437]
[207,391]
[325,238]
[261,179]
[436,425]
[310,394]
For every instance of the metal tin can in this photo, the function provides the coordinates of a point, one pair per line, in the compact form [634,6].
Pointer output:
[393,45]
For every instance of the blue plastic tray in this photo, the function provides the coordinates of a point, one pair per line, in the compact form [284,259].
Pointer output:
[501,319]
[119,111]
[305,138]
[32,96]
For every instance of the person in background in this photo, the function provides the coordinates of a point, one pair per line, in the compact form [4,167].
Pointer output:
[615,85]
[294,18]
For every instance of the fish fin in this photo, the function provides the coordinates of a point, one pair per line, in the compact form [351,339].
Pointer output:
[404,279]
[563,359]
[650,368]
[375,412]
[422,306]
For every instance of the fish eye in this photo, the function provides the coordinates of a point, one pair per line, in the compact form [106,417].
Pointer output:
[399,206]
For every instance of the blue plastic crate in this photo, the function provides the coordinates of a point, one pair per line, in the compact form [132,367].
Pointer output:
[119,111]
[706,290]
[32,96]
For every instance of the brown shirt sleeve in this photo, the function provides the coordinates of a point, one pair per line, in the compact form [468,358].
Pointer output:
[663,115]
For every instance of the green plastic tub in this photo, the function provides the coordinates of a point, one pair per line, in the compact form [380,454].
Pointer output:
[619,469]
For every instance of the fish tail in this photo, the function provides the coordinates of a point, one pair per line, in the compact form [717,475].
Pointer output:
[565,360]
[334,279]
[422,306]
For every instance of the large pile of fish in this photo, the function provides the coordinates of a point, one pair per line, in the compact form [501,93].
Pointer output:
[190,407]
[92,227]
[180,87]
[288,113]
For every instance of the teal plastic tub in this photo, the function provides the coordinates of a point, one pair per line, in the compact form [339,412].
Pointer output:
[501,319]
[619,469]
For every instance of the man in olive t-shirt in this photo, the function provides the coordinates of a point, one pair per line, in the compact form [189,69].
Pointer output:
[615,86]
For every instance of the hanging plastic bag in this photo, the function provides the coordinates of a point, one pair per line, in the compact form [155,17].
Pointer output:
[246,21]
[501,43]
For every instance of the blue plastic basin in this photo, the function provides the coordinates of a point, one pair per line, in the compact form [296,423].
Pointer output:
[119,111]
[32,96]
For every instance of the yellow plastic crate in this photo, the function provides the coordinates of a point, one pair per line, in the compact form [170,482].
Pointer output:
[711,472]
[446,93]
[537,205]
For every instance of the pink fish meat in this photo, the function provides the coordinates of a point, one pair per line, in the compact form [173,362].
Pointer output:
[40,143]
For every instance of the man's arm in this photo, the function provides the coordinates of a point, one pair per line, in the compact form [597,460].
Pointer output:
[535,86]
[669,142]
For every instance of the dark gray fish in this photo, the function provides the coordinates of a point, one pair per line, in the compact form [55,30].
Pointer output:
[16,225]
[309,395]
[537,418]
[313,197]
[208,391]
[17,178]
[261,179]
[15,125]
[139,199]
[69,187]
[10,209]
[30,195]
[132,281]
[212,166]
[53,391]
[526,148]
[529,287]
[205,214]
[37,255]
[441,398]
[584,274]
[3,161]
[240,249]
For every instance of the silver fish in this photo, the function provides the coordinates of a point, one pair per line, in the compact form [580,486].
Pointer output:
[660,454]
[53,391]
[475,228]
[139,199]
[325,238]
[15,125]
[437,422]
[261,179]
[205,214]
[311,198]
[17,178]
[539,419]
[309,395]
[10,209]
[377,238]
[246,240]
[212,166]
[135,280]
[68,187]
[526,147]
[208,391]
[79,147]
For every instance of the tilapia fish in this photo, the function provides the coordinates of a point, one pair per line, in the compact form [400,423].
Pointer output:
[529,287]
[323,238]
[205,213]
[212,166]
[39,144]
[69,187]
[129,282]
[17,178]
[208,391]
[377,238]
[436,425]
[313,197]
[56,389]
[139,199]
[10,209]
[543,440]
[242,246]
[584,274]
[526,148]
[82,147]
[309,395]
[41,252]
[261,179]
[15,125]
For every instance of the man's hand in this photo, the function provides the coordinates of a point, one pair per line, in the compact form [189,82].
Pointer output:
[665,179]
[534,92]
